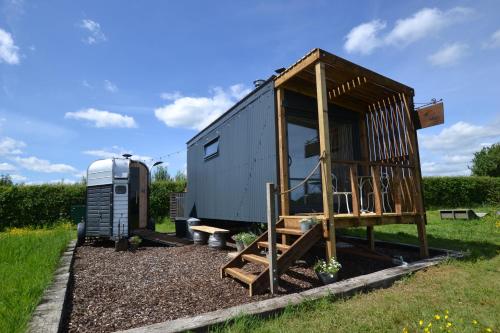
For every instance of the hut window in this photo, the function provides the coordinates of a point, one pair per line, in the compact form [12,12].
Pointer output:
[120,189]
[212,149]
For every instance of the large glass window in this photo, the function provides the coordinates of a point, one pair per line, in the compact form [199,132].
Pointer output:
[212,149]
[120,189]
[303,151]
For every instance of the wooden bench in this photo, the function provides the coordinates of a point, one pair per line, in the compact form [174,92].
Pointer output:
[208,229]
[459,214]
[217,239]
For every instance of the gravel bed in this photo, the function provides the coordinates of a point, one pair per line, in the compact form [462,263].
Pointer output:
[118,290]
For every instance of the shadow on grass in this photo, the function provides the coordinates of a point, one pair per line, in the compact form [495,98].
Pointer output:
[475,249]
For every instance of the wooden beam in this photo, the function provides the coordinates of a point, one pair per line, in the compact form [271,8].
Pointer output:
[370,237]
[342,222]
[326,167]
[282,152]
[377,195]
[308,60]
[340,65]
[397,190]
[353,175]
[419,199]
[271,238]
[346,87]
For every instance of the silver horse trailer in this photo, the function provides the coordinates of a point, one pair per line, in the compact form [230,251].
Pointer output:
[117,199]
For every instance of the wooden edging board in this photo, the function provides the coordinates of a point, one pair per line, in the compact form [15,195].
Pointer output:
[48,316]
[380,279]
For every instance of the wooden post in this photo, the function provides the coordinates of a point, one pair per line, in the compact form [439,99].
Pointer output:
[271,238]
[353,174]
[370,237]
[397,191]
[282,152]
[376,190]
[365,157]
[326,167]
[419,199]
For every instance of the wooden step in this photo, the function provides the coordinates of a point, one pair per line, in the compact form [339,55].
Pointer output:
[279,246]
[255,259]
[240,274]
[289,231]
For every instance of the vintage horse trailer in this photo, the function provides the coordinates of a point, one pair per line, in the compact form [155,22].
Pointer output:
[117,199]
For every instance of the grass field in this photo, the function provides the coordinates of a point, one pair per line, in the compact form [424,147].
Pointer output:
[465,291]
[28,258]
[165,225]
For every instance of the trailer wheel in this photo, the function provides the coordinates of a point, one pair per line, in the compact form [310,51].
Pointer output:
[80,232]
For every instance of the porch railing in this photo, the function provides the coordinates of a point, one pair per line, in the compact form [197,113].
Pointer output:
[377,187]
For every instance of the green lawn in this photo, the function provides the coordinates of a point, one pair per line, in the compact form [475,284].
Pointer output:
[165,225]
[469,289]
[28,258]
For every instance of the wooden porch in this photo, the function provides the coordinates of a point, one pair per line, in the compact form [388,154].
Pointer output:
[387,172]
[362,172]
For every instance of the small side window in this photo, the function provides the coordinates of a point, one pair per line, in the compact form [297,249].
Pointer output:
[120,189]
[212,149]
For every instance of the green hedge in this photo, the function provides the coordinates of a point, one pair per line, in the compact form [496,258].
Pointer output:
[36,205]
[453,192]
[160,196]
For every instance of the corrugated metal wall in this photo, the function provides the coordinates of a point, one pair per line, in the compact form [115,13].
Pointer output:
[98,223]
[231,186]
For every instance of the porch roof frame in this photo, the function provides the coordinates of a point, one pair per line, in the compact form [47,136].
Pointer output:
[340,74]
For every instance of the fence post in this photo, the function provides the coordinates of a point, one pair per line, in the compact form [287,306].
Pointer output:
[271,237]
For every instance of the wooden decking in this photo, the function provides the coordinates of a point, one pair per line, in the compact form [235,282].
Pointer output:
[160,238]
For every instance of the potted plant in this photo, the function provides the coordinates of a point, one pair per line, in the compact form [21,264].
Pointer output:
[238,239]
[134,242]
[327,271]
[307,223]
[248,238]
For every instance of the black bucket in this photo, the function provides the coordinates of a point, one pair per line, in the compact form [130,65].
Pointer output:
[180,227]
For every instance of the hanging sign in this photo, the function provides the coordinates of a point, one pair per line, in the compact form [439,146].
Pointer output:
[430,115]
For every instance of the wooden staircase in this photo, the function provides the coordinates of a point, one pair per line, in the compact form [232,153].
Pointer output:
[299,244]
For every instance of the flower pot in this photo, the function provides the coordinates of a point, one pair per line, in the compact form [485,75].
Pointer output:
[239,245]
[326,278]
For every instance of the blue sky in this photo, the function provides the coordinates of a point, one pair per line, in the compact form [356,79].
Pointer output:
[89,79]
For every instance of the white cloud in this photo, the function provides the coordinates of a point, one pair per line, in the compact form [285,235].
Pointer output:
[444,169]
[9,146]
[18,178]
[366,37]
[102,118]
[363,38]
[451,151]
[95,34]
[449,55]
[461,137]
[494,40]
[198,112]
[116,151]
[4,167]
[424,23]
[8,50]
[110,86]
[36,164]
[86,84]
[170,96]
